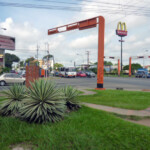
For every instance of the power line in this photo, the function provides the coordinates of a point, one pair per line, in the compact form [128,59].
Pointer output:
[144,12]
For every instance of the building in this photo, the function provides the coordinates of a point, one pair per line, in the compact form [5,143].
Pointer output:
[147,67]
[6,43]
[46,64]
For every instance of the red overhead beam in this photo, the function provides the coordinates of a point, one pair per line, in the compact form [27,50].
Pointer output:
[81,25]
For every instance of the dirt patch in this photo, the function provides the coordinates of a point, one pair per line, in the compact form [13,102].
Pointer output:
[22,146]
[145,122]
[146,90]
[136,119]
[87,92]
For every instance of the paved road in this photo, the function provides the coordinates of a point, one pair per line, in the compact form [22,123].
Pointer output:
[109,83]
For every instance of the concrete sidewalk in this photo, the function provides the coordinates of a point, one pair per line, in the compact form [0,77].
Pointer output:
[127,112]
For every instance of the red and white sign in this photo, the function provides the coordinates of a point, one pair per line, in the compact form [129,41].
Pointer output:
[121,32]
[7,42]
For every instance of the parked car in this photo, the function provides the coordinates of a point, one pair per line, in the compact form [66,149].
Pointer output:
[141,74]
[81,74]
[24,75]
[11,78]
[148,76]
[90,74]
[56,73]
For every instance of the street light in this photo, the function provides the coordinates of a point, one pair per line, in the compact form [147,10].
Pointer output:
[82,57]
[144,57]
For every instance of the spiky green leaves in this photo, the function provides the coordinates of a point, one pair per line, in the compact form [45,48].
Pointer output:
[15,96]
[44,103]
[71,96]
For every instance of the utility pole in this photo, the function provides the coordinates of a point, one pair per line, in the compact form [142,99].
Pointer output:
[47,57]
[88,58]
[37,52]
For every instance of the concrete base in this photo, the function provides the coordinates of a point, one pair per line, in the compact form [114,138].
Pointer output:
[100,89]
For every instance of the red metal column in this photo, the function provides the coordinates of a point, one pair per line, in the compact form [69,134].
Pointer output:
[130,67]
[100,66]
[118,67]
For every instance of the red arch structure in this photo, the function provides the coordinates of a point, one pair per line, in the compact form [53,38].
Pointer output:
[135,57]
[86,24]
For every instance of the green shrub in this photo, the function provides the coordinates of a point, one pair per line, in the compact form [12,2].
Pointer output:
[71,96]
[44,103]
[15,96]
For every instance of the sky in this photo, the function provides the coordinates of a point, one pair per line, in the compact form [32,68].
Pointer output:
[29,26]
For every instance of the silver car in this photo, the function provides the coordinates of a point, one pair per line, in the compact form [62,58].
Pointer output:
[11,78]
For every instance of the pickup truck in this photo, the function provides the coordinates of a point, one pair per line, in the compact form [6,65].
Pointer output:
[141,74]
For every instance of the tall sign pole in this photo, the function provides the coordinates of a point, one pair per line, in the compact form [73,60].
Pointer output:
[100,66]
[121,31]
[118,67]
[121,53]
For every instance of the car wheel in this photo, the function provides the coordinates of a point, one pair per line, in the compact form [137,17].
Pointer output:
[2,83]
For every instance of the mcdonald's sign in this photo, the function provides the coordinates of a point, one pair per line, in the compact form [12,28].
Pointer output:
[121,29]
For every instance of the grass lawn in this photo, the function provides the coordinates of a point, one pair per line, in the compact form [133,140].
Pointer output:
[86,129]
[117,98]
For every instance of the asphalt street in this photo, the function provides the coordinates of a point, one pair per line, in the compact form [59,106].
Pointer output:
[109,83]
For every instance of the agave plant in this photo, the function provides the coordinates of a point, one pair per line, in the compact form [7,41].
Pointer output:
[14,100]
[44,103]
[71,96]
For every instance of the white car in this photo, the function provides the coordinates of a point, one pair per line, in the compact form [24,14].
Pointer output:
[11,78]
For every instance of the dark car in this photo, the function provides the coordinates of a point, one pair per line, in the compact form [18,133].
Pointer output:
[90,74]
[56,73]
[141,74]
[148,76]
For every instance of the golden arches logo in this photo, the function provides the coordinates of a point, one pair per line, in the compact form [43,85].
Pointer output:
[121,29]
[122,26]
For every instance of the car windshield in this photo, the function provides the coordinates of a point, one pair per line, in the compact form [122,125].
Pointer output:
[88,71]
[81,72]
[1,75]
[70,70]
[139,72]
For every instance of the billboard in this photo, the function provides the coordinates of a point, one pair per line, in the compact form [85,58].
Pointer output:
[7,42]
[121,29]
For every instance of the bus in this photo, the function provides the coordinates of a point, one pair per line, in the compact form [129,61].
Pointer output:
[67,72]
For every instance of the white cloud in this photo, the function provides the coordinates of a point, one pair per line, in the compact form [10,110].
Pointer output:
[66,46]
[84,42]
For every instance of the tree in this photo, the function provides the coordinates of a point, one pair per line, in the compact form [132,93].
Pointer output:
[106,63]
[57,65]
[21,63]
[10,58]
[135,66]
[48,56]
[30,59]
